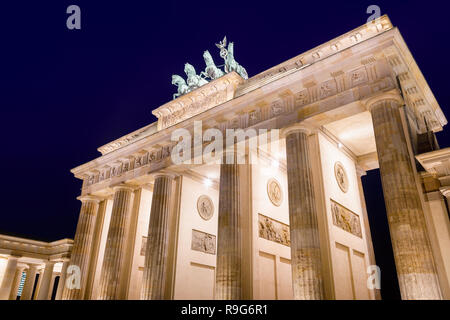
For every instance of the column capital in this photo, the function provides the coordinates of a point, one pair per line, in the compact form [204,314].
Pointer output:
[433,196]
[21,266]
[231,155]
[166,174]
[301,127]
[86,198]
[393,95]
[123,186]
[445,191]
[360,171]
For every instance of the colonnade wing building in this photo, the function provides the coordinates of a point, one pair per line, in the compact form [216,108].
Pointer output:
[290,221]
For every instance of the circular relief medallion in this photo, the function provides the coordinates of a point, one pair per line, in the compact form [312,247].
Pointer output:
[274,192]
[205,207]
[341,176]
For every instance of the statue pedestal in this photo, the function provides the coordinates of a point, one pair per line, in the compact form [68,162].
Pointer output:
[204,98]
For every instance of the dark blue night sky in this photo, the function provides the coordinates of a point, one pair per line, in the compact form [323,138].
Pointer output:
[66,92]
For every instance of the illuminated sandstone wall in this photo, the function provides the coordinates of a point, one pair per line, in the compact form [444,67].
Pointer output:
[271,259]
[195,270]
[349,253]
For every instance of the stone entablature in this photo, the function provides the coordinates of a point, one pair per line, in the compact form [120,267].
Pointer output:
[154,157]
[319,53]
[436,162]
[35,249]
[437,166]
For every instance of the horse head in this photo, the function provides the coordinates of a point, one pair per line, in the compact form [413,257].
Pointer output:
[231,50]
[189,70]
[177,80]
[208,58]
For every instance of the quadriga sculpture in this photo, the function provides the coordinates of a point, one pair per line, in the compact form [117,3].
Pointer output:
[212,71]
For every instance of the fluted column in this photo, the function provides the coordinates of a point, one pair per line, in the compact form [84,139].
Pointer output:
[62,280]
[229,250]
[157,250]
[8,277]
[46,281]
[115,243]
[82,245]
[307,278]
[16,283]
[28,286]
[411,245]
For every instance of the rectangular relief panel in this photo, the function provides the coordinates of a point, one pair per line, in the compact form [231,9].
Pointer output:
[267,276]
[274,230]
[345,219]
[203,242]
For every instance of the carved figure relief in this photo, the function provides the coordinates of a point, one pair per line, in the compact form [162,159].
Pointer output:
[341,176]
[277,107]
[254,116]
[301,98]
[358,76]
[345,219]
[274,230]
[137,162]
[205,207]
[274,192]
[327,89]
[203,242]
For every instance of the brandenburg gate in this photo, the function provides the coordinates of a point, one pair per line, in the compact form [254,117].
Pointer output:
[279,213]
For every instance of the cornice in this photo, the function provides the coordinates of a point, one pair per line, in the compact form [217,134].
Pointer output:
[316,54]
[122,141]
[33,248]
